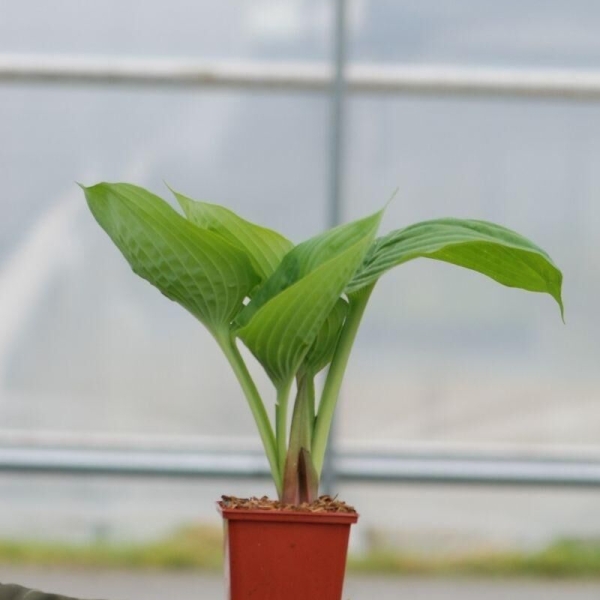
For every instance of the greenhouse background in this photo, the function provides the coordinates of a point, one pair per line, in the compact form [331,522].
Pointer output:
[447,364]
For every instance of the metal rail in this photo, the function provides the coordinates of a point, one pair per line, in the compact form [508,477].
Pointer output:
[349,467]
[335,180]
[302,77]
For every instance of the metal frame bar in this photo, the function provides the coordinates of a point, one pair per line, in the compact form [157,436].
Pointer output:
[336,168]
[349,467]
[302,77]
[193,457]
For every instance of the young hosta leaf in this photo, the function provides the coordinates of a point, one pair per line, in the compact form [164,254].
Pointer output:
[495,251]
[306,257]
[321,351]
[282,330]
[197,268]
[264,247]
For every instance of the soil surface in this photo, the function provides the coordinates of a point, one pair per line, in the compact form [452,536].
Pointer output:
[321,504]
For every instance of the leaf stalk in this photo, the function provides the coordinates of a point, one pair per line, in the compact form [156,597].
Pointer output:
[227,343]
[335,375]
[283,393]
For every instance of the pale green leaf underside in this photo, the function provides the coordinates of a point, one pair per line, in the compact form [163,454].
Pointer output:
[490,249]
[265,248]
[281,332]
[322,349]
[307,257]
[197,268]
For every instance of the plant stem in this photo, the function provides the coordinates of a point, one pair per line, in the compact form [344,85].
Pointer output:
[283,393]
[300,480]
[301,427]
[310,393]
[335,375]
[227,343]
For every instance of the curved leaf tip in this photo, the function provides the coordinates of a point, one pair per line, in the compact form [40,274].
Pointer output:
[198,269]
[264,247]
[490,249]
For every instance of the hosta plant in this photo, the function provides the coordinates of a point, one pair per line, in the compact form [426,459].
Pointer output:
[297,308]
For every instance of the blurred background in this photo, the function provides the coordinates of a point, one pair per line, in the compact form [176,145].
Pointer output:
[448,366]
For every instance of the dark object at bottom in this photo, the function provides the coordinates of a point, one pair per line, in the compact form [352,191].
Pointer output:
[17,592]
[275,555]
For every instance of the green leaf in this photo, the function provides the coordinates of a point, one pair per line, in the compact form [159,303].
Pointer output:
[322,349]
[499,253]
[197,268]
[285,324]
[264,247]
[306,257]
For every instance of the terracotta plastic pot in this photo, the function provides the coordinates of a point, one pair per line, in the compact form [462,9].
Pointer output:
[285,555]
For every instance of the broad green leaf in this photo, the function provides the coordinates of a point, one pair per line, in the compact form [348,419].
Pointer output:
[283,329]
[306,257]
[264,247]
[495,251]
[322,349]
[197,268]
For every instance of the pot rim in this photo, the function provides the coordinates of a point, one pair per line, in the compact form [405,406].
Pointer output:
[293,516]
